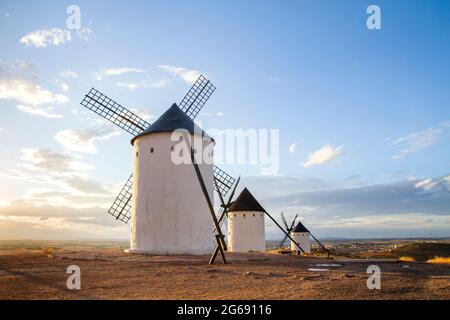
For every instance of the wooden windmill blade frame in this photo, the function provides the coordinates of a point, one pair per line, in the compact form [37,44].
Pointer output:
[197,96]
[121,207]
[112,111]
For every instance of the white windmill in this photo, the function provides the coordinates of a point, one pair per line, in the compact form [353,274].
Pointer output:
[163,199]
[300,237]
[246,224]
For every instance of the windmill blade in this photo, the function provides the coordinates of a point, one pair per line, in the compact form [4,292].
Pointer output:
[284,221]
[121,207]
[283,241]
[223,180]
[114,112]
[196,97]
[293,223]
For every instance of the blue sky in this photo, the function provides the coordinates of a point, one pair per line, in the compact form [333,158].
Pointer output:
[376,102]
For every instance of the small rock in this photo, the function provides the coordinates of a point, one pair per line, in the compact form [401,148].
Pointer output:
[249,273]
[348,275]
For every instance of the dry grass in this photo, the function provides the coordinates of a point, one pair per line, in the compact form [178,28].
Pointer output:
[406,259]
[439,260]
[47,250]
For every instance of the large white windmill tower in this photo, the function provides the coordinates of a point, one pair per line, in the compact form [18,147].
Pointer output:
[170,215]
[163,199]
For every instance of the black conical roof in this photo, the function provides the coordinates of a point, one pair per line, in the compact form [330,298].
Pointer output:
[246,202]
[173,119]
[300,228]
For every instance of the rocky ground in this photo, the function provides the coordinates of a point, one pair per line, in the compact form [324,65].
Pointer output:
[108,273]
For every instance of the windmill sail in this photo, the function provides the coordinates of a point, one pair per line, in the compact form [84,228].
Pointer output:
[196,97]
[121,208]
[224,181]
[114,112]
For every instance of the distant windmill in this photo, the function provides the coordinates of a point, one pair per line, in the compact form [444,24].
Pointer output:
[288,228]
[162,199]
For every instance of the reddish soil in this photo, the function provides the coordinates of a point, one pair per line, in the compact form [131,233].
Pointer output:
[111,274]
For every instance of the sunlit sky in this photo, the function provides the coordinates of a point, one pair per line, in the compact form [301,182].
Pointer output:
[363,115]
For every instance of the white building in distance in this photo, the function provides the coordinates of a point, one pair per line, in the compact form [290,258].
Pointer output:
[246,224]
[301,235]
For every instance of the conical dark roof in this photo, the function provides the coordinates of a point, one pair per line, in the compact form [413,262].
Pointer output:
[174,118]
[300,228]
[246,202]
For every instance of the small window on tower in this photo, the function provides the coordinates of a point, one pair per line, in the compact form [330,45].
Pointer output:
[171,148]
[137,153]
[253,214]
[244,215]
[151,150]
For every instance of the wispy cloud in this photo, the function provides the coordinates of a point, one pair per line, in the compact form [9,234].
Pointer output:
[62,180]
[45,37]
[293,147]
[326,154]
[210,114]
[190,76]
[84,140]
[68,74]
[28,92]
[53,37]
[39,111]
[416,141]
[440,184]
[133,85]
[107,72]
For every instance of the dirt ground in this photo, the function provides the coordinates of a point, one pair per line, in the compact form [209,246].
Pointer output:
[111,274]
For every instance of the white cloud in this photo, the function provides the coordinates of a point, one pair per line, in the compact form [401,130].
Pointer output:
[190,76]
[416,141]
[64,87]
[102,74]
[293,147]
[325,154]
[28,92]
[440,184]
[53,37]
[62,180]
[45,37]
[210,114]
[83,140]
[142,84]
[68,74]
[144,115]
[39,111]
